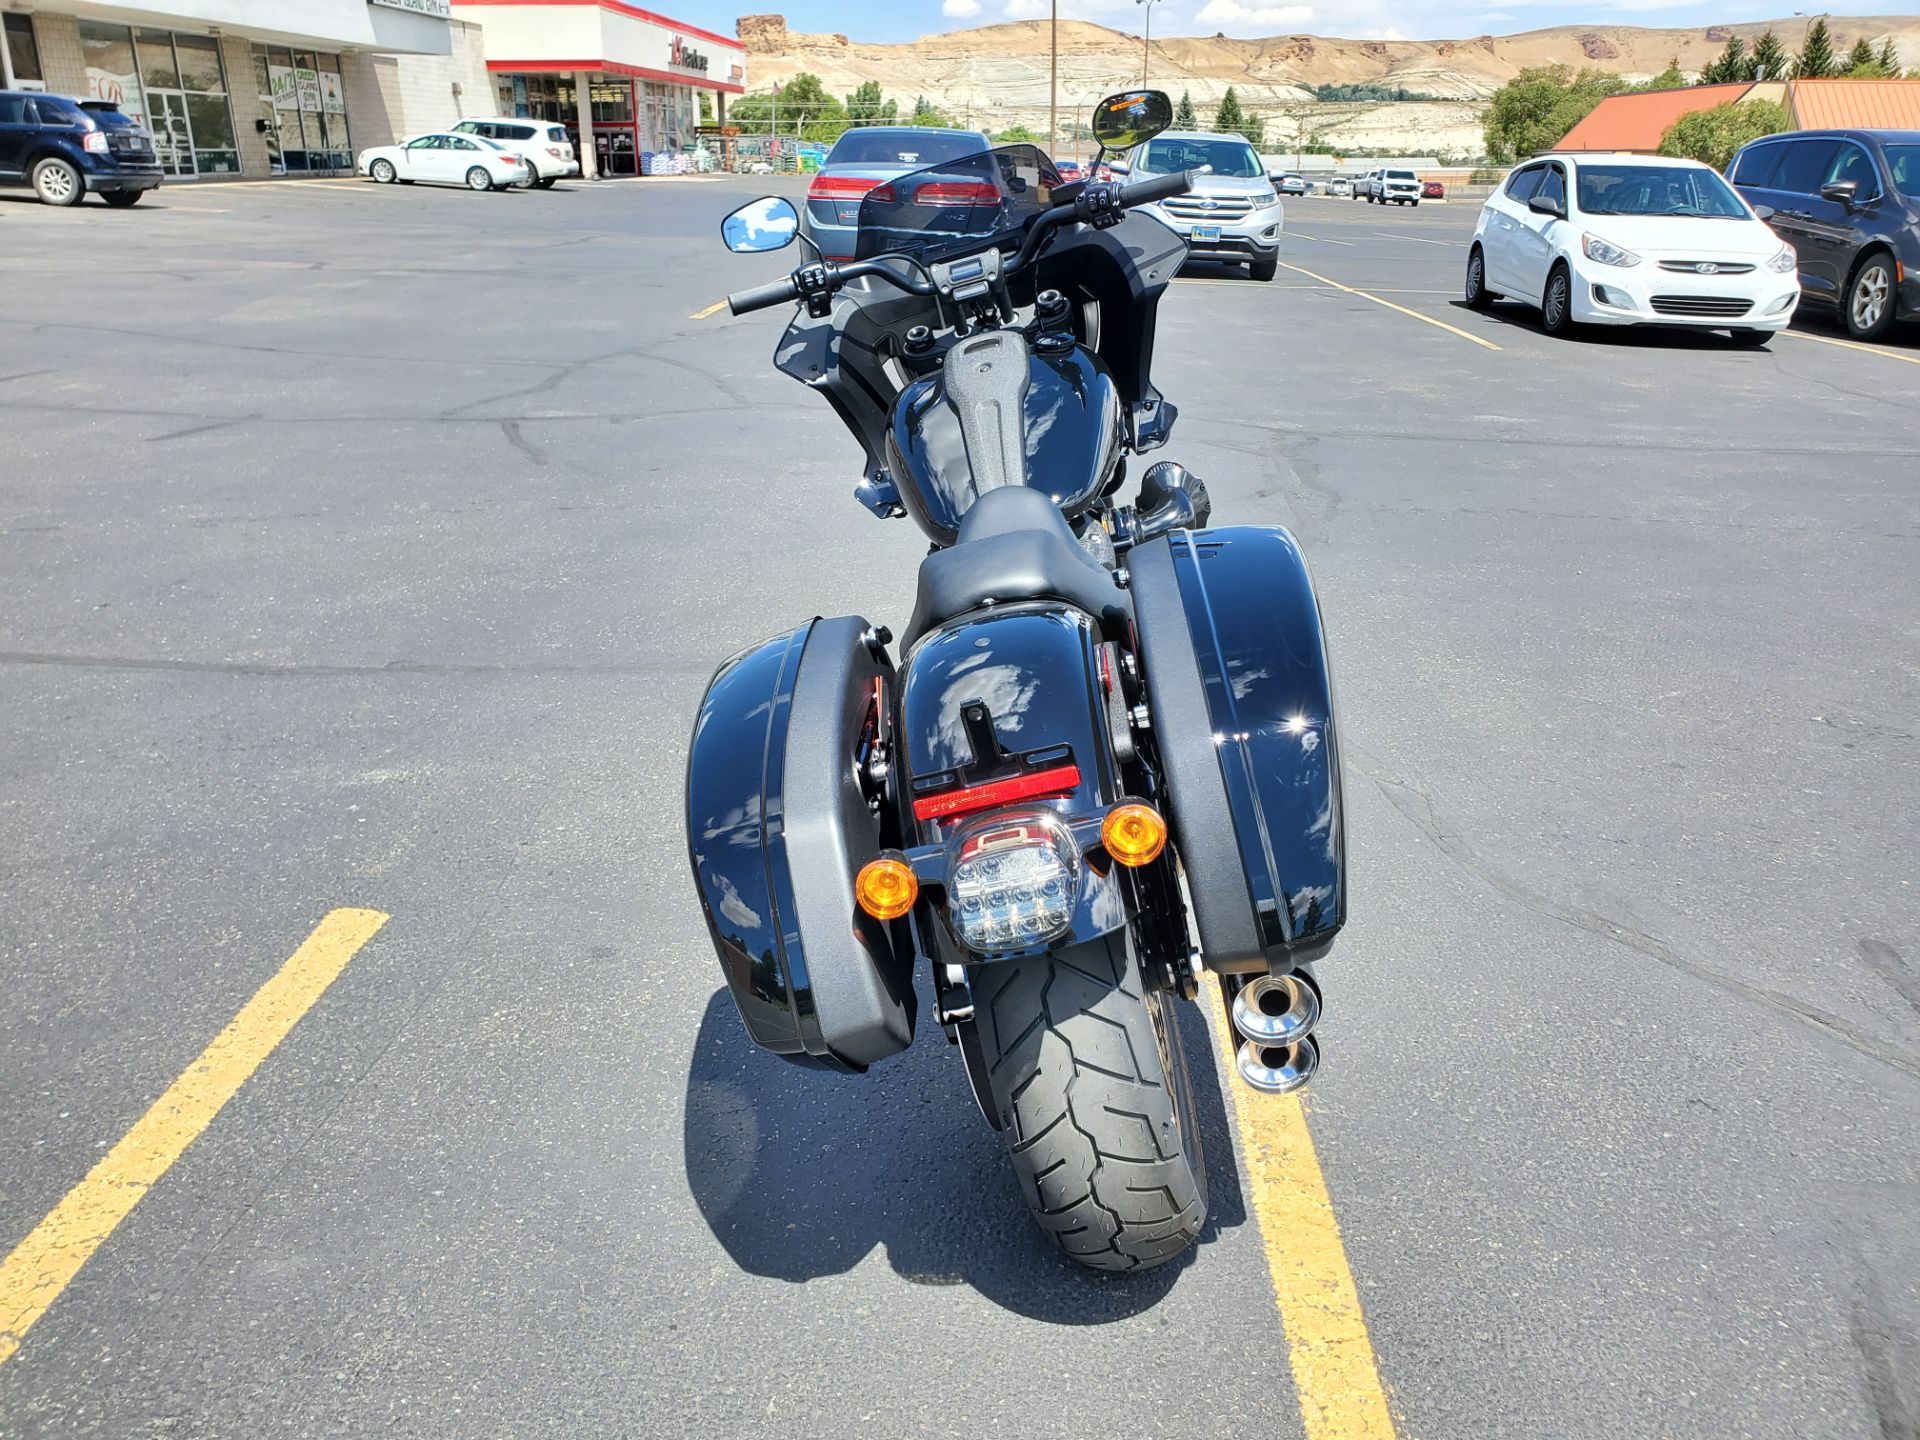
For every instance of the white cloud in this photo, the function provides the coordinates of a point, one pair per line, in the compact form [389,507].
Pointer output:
[960,9]
[1232,12]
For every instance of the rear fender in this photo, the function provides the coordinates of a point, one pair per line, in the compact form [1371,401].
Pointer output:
[1035,669]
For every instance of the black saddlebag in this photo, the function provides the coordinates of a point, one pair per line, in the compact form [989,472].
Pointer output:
[777,828]
[1242,704]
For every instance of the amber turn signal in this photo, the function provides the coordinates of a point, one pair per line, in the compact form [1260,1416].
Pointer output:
[886,888]
[1134,834]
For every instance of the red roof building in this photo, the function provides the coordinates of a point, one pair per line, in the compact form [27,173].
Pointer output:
[1636,122]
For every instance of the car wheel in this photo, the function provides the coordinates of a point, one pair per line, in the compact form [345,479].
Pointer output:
[1870,299]
[478,179]
[547,182]
[1556,305]
[121,199]
[1265,269]
[1479,297]
[58,183]
[1414,203]
[1751,339]
[533,176]
[383,172]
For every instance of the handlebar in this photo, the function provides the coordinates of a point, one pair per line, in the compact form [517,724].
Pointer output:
[1089,206]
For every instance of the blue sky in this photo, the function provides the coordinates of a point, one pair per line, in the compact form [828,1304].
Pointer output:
[1363,19]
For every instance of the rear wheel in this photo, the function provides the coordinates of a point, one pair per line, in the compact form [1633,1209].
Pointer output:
[1479,297]
[533,176]
[58,183]
[547,182]
[478,179]
[1087,1076]
[121,199]
[1869,307]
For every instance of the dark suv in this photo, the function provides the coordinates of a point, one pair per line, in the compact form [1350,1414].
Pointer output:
[1848,201]
[63,148]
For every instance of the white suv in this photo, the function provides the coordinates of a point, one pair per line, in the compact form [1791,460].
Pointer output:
[1401,187]
[1233,214]
[543,144]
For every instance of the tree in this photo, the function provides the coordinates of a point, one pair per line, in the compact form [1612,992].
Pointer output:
[1254,127]
[1016,135]
[1730,68]
[803,108]
[865,107]
[1534,110]
[1712,136]
[1671,78]
[1861,62]
[1770,60]
[1816,56]
[1183,116]
[925,116]
[1228,118]
[1889,59]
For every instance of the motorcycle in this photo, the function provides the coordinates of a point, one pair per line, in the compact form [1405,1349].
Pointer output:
[1104,765]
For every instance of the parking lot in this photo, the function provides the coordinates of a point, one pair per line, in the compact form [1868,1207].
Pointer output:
[367,549]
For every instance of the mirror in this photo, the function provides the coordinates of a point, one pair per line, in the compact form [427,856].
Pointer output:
[1131,118]
[769,223]
[1540,205]
[1765,212]
[1842,191]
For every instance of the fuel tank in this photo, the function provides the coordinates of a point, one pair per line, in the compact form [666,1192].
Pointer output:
[1073,423]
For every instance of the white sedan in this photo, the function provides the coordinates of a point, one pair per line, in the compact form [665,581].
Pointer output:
[1631,240]
[442,158]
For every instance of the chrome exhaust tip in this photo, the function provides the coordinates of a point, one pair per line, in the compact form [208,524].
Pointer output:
[1278,1069]
[1277,1009]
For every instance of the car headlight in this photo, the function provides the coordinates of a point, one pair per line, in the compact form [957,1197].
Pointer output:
[1785,263]
[1607,253]
[1014,883]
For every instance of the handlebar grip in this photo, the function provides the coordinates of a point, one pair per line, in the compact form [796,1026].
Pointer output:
[1145,192]
[778,292]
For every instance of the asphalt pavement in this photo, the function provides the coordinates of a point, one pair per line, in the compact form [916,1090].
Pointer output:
[370,547]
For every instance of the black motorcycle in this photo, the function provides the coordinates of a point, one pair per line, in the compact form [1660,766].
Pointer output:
[1105,761]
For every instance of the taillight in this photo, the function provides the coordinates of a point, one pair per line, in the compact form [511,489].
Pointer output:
[1014,882]
[957,192]
[507,159]
[1057,780]
[558,153]
[95,143]
[839,187]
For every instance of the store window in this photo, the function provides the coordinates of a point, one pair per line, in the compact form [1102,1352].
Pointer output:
[302,111]
[172,84]
[112,73]
[23,52]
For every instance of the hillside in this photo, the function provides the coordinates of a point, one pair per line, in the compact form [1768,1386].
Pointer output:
[996,76]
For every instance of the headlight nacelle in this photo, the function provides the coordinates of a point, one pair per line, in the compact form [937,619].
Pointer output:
[1605,252]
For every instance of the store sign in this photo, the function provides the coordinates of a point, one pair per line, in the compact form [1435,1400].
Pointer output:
[120,90]
[286,96]
[438,9]
[684,57]
[308,82]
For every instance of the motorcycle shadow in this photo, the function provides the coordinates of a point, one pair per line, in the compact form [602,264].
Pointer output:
[800,1172]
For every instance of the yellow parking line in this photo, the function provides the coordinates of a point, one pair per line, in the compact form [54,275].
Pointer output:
[1365,295]
[32,1277]
[1852,345]
[1335,1374]
[717,305]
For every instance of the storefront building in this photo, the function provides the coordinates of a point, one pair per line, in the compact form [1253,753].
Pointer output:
[237,88]
[626,82]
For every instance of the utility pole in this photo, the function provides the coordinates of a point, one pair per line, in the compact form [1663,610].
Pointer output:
[773,126]
[1146,43]
[1053,84]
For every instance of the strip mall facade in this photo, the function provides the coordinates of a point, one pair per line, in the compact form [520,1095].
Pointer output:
[238,88]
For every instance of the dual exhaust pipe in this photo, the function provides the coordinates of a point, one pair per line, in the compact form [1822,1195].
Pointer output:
[1274,1016]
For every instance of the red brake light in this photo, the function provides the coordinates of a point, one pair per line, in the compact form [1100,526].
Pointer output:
[957,192]
[1059,780]
[839,187]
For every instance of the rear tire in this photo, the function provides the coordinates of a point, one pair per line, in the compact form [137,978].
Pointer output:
[121,199]
[533,176]
[479,179]
[1087,1075]
[549,181]
[57,183]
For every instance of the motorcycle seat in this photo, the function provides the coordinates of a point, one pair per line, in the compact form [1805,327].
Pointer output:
[1013,544]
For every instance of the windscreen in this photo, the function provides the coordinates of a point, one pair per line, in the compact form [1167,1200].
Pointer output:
[971,197]
[1657,190]
[1232,158]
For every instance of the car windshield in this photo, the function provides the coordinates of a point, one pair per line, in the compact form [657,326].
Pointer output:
[988,192]
[1232,158]
[901,147]
[1399,175]
[1657,190]
[1904,161]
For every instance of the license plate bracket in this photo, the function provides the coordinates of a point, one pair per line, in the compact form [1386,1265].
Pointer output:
[1206,233]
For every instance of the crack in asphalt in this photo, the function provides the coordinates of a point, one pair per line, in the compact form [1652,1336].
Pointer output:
[265,670]
[1416,806]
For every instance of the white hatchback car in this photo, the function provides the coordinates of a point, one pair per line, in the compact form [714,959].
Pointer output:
[441,158]
[1631,240]
[543,144]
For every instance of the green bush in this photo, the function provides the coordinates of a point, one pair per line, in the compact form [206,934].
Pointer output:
[1712,136]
